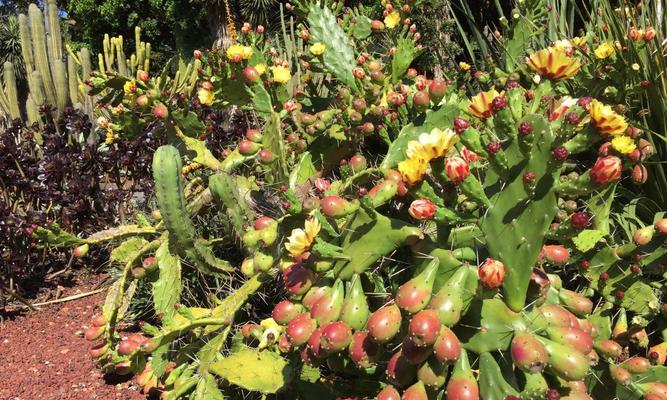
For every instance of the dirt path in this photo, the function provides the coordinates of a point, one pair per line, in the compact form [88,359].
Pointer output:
[44,356]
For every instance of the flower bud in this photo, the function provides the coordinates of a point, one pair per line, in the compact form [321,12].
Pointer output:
[606,169]
[491,273]
[422,209]
[457,169]
[639,174]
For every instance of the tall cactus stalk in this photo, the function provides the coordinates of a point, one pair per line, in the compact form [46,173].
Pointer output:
[38,35]
[10,92]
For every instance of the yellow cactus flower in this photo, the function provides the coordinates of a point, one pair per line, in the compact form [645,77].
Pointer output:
[392,19]
[280,74]
[604,50]
[300,240]
[271,332]
[579,41]
[465,67]
[563,45]
[261,68]
[236,53]
[317,49]
[480,105]
[205,96]
[606,120]
[432,145]
[412,170]
[130,87]
[553,63]
[623,144]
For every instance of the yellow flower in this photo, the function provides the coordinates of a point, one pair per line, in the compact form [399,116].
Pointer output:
[606,120]
[623,144]
[280,74]
[432,145]
[130,87]
[563,45]
[392,19]
[636,67]
[412,170]
[605,50]
[480,105]
[271,332]
[464,66]
[553,63]
[205,96]
[579,41]
[236,53]
[318,48]
[261,68]
[301,239]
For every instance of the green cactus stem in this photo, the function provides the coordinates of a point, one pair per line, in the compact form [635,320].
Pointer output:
[261,371]
[11,95]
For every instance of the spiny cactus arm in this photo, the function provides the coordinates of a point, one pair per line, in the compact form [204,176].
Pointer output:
[61,84]
[53,236]
[12,98]
[36,85]
[167,287]
[231,304]
[72,81]
[406,52]
[261,371]
[385,234]
[38,36]
[498,325]
[26,44]
[492,383]
[203,155]
[33,114]
[519,216]
[272,140]
[225,190]
[54,29]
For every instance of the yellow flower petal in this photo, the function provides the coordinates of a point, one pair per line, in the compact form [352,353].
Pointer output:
[412,170]
[623,144]
[604,50]
[606,120]
[392,19]
[553,63]
[480,105]
[205,96]
[317,49]
[280,74]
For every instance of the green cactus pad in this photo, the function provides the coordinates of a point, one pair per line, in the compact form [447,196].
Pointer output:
[260,371]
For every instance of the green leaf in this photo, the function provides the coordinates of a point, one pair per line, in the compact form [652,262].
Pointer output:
[641,299]
[361,29]
[127,250]
[261,100]
[273,140]
[587,239]
[207,389]
[497,324]
[188,122]
[406,51]
[303,170]
[167,288]
[440,118]
[259,371]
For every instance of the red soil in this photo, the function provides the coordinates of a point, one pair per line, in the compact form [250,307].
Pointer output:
[43,354]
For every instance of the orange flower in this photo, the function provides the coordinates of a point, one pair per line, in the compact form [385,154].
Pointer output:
[553,63]
[606,120]
[480,105]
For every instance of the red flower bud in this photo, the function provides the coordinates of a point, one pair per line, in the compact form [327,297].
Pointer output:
[422,209]
[457,169]
[492,273]
[606,169]
[639,174]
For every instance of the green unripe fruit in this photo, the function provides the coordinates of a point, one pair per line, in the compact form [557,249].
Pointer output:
[262,262]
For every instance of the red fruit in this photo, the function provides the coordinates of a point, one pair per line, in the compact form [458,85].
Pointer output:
[414,294]
[575,302]
[643,236]
[377,25]
[606,169]
[266,156]
[424,327]
[143,76]
[460,124]
[555,254]
[357,163]
[284,344]
[384,323]
[560,153]
[447,347]
[263,222]
[363,350]
[248,148]
[299,329]
[314,345]
[436,90]
[251,74]
[359,104]
[657,390]
[284,312]
[80,251]
[415,392]
[388,393]
[492,273]
[637,364]
[314,295]
[298,279]
[608,348]
[580,220]
[661,226]
[99,320]
[254,135]
[457,169]
[336,336]
[415,354]
[620,375]
[573,337]
[421,99]
[528,353]
[198,54]
[127,347]
[142,100]
[94,332]
[399,370]
[556,315]
[639,174]
[160,111]
[334,206]
[462,389]
[422,209]
[99,350]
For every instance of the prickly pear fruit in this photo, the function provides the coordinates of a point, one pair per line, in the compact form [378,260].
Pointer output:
[336,207]
[657,390]
[355,310]
[298,279]
[94,332]
[383,192]
[328,307]
[643,236]
[127,346]
[575,302]
[620,375]
[364,351]
[424,327]
[384,323]
[462,384]
[637,365]
[400,371]
[300,328]
[492,273]
[414,294]
[566,362]
[285,311]
[661,350]
[388,393]
[415,354]
[336,336]
[447,347]
[432,373]
[99,320]
[99,350]
[415,392]
[556,315]
[314,345]
[571,336]
[313,295]
[555,254]
[608,348]
[528,353]
[448,302]
[80,251]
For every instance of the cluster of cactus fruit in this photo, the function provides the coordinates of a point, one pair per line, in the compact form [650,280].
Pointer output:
[430,245]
